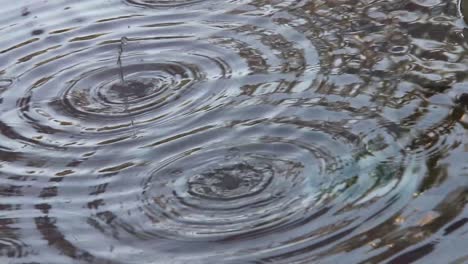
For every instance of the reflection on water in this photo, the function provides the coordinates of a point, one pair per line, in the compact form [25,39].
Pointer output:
[242,131]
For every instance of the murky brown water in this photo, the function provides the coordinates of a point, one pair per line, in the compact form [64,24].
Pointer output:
[236,131]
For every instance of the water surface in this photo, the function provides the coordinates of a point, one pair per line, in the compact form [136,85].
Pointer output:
[236,131]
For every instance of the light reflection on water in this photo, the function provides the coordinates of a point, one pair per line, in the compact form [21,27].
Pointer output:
[261,131]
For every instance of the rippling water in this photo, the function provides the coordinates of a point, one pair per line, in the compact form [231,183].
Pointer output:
[236,131]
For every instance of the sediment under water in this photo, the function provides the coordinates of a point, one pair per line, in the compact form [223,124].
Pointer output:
[237,131]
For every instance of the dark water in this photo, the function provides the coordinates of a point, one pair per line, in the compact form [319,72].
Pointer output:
[236,131]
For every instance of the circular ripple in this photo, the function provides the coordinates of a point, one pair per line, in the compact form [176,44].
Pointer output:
[144,87]
[231,181]
[296,179]
[245,155]
[157,73]
[218,192]
[149,85]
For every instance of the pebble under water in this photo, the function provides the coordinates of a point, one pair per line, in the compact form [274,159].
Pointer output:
[235,131]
